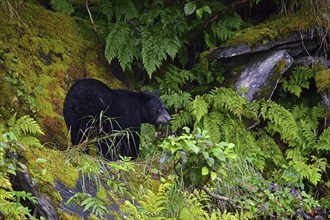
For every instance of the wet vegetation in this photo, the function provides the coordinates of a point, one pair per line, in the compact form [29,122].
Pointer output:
[222,156]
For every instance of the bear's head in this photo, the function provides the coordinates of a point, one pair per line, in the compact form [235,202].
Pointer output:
[154,111]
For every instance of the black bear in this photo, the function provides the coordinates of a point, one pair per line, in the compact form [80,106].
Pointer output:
[114,117]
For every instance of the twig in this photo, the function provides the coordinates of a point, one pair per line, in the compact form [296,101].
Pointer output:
[219,197]
[90,16]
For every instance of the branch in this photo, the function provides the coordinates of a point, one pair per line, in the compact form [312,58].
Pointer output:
[220,197]
[90,16]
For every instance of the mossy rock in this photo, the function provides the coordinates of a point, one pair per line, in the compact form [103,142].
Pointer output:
[322,80]
[53,179]
[41,54]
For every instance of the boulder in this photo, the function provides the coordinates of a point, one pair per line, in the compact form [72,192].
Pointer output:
[262,73]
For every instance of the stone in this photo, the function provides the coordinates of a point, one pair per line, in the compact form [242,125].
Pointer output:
[244,48]
[260,76]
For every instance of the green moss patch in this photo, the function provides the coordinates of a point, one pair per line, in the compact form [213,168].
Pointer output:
[41,54]
[322,80]
[274,29]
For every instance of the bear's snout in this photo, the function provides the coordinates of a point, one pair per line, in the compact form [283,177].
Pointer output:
[164,118]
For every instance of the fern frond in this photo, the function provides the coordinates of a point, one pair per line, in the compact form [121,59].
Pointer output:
[26,125]
[311,173]
[323,143]
[227,26]
[271,149]
[174,78]
[228,99]
[176,100]
[125,10]
[281,121]
[156,48]
[184,118]
[63,6]
[251,110]
[212,124]
[105,8]
[299,79]
[120,44]
[199,107]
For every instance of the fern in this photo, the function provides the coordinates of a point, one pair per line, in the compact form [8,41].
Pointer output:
[174,78]
[26,125]
[183,118]
[212,124]
[227,26]
[199,107]
[63,6]
[156,48]
[121,44]
[298,80]
[13,137]
[323,143]
[224,29]
[281,121]
[311,172]
[124,10]
[227,99]
[176,100]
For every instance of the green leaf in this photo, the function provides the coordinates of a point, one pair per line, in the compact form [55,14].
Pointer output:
[43,171]
[189,8]
[205,171]
[213,175]
[41,160]
[210,161]
[218,153]
[191,147]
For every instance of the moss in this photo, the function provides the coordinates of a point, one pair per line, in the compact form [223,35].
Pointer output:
[44,166]
[102,194]
[45,52]
[280,66]
[322,80]
[65,216]
[274,29]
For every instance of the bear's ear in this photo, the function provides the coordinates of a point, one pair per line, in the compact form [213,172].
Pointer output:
[157,92]
[146,96]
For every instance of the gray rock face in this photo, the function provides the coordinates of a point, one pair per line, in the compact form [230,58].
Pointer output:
[294,40]
[262,73]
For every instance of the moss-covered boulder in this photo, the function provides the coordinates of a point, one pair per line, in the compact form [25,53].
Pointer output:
[41,54]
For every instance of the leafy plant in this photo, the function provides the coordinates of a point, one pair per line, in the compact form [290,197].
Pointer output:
[13,137]
[298,80]
[198,158]
[89,203]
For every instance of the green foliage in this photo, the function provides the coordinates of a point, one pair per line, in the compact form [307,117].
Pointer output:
[120,44]
[297,128]
[88,203]
[148,35]
[188,205]
[298,80]
[13,137]
[200,159]
[64,6]
[140,39]
[281,121]
[224,29]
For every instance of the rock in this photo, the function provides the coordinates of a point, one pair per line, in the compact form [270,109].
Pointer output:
[244,48]
[262,73]
[44,205]
[309,60]
[87,185]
